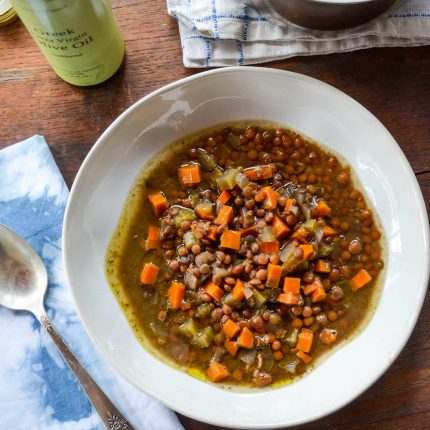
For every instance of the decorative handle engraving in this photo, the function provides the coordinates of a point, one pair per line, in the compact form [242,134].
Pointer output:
[46,323]
[109,414]
[117,423]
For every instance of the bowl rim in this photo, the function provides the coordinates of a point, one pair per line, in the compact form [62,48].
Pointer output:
[415,189]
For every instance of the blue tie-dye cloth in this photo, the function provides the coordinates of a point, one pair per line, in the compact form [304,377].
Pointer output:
[37,389]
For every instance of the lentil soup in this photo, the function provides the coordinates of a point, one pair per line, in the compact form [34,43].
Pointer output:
[244,253]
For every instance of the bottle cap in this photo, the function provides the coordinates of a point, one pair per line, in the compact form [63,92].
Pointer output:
[7,12]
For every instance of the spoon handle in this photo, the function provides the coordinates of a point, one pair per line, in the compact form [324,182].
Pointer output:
[109,414]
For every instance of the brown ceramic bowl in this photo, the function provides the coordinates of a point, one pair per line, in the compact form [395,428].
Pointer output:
[330,14]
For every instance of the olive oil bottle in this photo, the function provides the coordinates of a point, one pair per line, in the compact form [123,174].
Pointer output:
[79,38]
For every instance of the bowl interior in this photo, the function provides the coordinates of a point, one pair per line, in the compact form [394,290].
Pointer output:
[311,107]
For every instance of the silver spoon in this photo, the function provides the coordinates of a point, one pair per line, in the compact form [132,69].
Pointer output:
[23,284]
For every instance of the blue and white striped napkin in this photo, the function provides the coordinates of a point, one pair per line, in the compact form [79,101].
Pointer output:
[238,32]
[37,389]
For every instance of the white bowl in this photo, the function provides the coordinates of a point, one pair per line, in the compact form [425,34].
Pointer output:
[321,112]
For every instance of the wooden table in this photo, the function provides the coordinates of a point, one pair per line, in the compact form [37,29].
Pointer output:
[393,83]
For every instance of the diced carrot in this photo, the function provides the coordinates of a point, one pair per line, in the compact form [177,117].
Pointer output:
[238,290]
[258,173]
[214,291]
[230,329]
[231,347]
[300,234]
[291,285]
[323,209]
[288,298]
[328,231]
[304,357]
[246,338]
[225,215]
[204,212]
[360,280]
[274,273]
[270,197]
[212,235]
[224,197]
[149,274]
[308,250]
[230,239]
[280,229]
[305,340]
[269,247]
[153,241]
[189,174]
[252,231]
[328,336]
[176,294]
[319,294]
[310,288]
[217,371]
[323,266]
[159,203]
[288,205]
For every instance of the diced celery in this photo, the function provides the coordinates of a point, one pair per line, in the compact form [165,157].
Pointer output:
[270,293]
[194,196]
[184,215]
[203,310]
[258,297]
[189,239]
[268,234]
[291,264]
[217,172]
[205,207]
[222,151]
[310,225]
[227,180]
[289,259]
[192,297]
[228,299]
[204,338]
[286,252]
[291,337]
[233,140]
[241,180]
[188,328]
[325,250]
[303,266]
[206,160]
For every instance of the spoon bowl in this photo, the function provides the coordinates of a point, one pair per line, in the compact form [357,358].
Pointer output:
[23,276]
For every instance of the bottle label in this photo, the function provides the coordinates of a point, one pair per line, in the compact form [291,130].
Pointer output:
[81,40]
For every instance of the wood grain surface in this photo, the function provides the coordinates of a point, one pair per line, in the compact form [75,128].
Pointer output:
[393,83]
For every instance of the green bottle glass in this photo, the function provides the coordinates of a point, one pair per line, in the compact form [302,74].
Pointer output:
[79,38]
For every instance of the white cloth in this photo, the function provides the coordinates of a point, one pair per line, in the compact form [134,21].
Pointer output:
[237,32]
